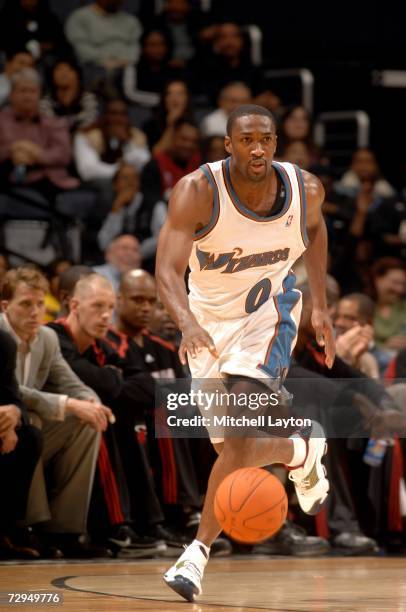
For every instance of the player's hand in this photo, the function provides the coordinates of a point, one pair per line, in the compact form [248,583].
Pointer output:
[91,412]
[324,334]
[194,340]
[10,417]
[8,442]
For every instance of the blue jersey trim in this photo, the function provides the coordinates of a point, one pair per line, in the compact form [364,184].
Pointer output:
[278,357]
[303,206]
[216,203]
[250,213]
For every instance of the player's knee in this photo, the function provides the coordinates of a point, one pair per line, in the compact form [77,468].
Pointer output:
[239,450]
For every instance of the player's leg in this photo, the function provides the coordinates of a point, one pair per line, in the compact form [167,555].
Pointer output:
[234,453]
[304,457]
[186,575]
[238,453]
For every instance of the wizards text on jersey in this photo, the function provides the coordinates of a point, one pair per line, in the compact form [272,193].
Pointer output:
[232,263]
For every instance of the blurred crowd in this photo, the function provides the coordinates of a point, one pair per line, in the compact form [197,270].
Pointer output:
[100,117]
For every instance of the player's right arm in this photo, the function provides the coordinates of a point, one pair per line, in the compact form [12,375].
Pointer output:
[189,209]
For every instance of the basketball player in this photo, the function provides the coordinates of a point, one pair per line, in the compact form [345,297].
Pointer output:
[240,224]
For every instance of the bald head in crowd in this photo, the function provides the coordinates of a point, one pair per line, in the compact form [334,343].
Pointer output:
[136,302]
[91,309]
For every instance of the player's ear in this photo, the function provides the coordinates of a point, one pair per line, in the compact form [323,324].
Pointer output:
[227,144]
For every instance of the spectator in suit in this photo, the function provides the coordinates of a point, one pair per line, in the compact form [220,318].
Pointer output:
[69,414]
[20,450]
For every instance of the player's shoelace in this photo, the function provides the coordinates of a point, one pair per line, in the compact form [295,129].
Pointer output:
[192,569]
[302,485]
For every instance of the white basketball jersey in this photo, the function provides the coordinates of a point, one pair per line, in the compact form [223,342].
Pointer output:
[240,259]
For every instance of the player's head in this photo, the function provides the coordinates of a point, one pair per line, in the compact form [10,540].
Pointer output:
[136,300]
[92,305]
[251,140]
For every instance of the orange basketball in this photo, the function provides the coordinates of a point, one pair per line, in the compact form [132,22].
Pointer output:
[250,505]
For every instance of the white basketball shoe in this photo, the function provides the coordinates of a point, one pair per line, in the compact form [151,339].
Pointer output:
[185,577]
[310,480]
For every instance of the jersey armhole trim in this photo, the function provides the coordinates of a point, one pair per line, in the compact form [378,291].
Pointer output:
[216,203]
[303,205]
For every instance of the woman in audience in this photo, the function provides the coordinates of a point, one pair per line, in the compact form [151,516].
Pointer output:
[175,103]
[296,125]
[68,99]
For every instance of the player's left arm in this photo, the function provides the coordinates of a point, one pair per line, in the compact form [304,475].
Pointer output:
[315,259]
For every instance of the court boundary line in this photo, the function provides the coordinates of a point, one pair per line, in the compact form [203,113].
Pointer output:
[60,583]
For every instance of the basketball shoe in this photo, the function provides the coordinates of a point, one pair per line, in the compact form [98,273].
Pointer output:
[185,577]
[310,479]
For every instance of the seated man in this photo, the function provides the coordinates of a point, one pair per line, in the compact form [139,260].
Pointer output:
[136,303]
[69,413]
[102,35]
[20,449]
[352,408]
[119,382]
[355,335]
[16,60]
[231,96]
[34,150]
[122,254]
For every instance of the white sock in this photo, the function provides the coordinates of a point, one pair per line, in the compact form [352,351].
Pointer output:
[205,548]
[299,451]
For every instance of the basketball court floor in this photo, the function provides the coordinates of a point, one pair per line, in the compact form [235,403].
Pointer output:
[236,584]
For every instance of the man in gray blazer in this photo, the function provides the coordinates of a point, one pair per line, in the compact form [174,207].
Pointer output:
[68,412]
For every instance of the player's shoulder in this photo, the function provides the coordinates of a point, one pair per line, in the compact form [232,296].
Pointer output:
[193,187]
[313,186]
[196,180]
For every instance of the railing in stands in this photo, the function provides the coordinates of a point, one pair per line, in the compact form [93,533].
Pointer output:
[305,77]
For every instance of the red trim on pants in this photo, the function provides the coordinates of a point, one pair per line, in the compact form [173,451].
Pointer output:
[109,485]
[394,516]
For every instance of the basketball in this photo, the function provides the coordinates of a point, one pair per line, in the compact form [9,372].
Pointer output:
[250,505]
